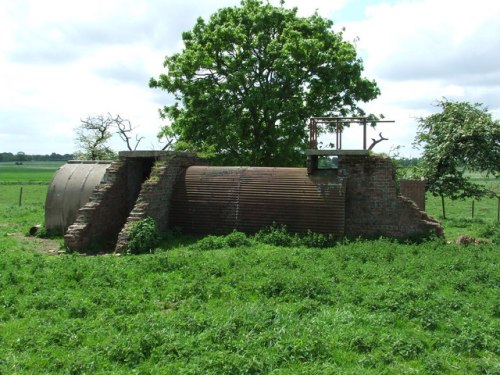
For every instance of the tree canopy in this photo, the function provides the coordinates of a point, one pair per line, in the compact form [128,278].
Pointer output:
[248,79]
[462,137]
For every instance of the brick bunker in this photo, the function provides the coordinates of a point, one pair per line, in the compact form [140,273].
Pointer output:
[357,198]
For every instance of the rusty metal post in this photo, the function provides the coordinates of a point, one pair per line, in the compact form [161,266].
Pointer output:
[340,136]
[337,146]
[364,134]
[313,135]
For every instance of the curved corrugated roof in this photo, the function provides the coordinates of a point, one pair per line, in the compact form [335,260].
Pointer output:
[220,199]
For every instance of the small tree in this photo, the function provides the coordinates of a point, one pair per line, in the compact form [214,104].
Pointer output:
[462,137]
[92,137]
[21,156]
[94,133]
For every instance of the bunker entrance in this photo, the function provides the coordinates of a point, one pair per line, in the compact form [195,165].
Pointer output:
[138,171]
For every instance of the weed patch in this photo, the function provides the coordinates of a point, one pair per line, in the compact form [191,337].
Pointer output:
[143,236]
[278,235]
[232,240]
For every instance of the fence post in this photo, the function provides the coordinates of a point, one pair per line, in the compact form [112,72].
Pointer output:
[473,208]
[20,196]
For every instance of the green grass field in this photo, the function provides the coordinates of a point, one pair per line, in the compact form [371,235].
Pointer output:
[30,172]
[359,307]
[27,183]
[459,215]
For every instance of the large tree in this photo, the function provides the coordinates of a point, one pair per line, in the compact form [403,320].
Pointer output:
[248,79]
[462,137]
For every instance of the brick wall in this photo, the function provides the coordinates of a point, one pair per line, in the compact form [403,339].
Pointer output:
[414,190]
[373,207]
[99,221]
[154,199]
[140,184]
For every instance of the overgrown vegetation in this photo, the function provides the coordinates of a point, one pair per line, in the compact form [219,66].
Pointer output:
[279,236]
[245,306]
[143,237]
[365,306]
[276,235]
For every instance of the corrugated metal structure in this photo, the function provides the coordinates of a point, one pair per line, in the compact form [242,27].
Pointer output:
[69,190]
[215,200]
[356,197]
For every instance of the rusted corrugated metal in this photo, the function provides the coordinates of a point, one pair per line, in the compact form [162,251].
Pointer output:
[219,199]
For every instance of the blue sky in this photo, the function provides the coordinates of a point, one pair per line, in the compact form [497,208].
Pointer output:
[62,61]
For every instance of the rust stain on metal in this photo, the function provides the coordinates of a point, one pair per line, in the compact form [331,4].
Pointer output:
[220,199]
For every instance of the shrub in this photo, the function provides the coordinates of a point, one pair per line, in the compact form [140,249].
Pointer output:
[210,243]
[276,235]
[234,239]
[320,240]
[491,231]
[237,239]
[143,236]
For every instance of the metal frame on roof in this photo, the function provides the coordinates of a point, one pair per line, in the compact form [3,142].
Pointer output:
[340,123]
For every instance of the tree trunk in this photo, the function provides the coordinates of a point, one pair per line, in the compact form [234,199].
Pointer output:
[442,206]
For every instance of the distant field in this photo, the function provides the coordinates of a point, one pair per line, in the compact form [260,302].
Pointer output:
[29,172]
[29,182]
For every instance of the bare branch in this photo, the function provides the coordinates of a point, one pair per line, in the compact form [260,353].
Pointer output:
[95,131]
[124,130]
[167,136]
[376,141]
[167,145]
[137,141]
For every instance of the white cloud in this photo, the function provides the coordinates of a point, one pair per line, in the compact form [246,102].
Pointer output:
[64,60]
[422,51]
[431,38]
[325,8]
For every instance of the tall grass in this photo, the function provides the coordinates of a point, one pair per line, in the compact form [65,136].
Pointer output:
[23,189]
[369,307]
